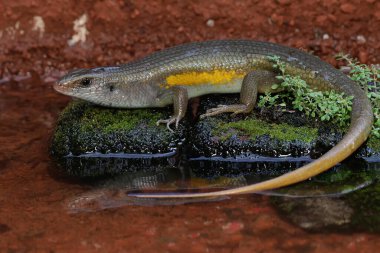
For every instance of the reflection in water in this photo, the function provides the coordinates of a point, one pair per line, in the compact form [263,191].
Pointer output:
[100,199]
[316,213]
[163,174]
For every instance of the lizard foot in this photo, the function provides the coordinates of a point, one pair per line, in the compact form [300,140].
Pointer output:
[168,122]
[235,109]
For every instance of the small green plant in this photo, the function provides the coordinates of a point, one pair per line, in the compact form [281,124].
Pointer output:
[268,100]
[325,105]
[369,80]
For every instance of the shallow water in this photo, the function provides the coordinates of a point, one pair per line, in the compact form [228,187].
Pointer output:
[43,210]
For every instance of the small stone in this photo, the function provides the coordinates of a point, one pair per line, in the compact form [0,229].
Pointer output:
[172,245]
[325,36]
[347,8]
[361,39]
[210,23]
[278,19]
[195,235]
[233,227]
[321,19]
[135,14]
[151,231]
[332,17]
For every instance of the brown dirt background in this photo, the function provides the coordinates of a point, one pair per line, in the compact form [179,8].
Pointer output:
[119,31]
[33,54]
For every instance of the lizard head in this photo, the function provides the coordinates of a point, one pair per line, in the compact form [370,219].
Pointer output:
[88,84]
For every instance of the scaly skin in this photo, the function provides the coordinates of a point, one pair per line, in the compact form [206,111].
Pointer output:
[173,75]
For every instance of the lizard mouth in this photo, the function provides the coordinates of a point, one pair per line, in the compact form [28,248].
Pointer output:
[61,87]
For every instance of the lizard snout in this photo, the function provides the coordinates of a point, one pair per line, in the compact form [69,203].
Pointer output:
[61,86]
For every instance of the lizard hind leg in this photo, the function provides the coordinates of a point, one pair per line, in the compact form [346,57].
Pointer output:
[248,93]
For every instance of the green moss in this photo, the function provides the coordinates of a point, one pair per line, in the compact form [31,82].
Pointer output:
[111,120]
[59,142]
[283,132]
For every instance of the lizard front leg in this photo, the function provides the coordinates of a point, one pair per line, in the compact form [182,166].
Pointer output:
[248,94]
[180,101]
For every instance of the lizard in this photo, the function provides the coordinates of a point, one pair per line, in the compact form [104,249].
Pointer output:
[176,74]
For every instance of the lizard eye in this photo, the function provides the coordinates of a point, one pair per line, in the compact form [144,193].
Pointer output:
[85,82]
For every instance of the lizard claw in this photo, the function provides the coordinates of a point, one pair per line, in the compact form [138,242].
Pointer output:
[168,122]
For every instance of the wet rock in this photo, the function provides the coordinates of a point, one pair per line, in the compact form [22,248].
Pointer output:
[272,132]
[98,165]
[94,141]
[250,135]
[84,128]
[89,140]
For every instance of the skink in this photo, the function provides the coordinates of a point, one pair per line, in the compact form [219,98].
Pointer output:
[174,75]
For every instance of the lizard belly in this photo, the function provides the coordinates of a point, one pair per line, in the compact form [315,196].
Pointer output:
[234,86]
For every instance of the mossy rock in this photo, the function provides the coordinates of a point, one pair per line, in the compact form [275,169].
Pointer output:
[84,128]
[270,133]
[274,132]
[91,140]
